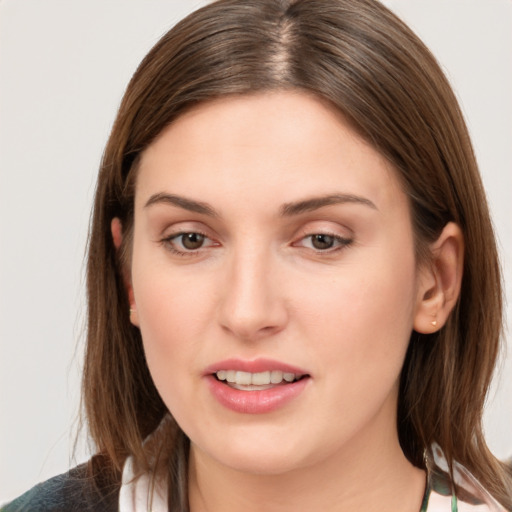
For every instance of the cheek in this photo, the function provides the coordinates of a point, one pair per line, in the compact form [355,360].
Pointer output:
[170,325]
[362,320]
[171,311]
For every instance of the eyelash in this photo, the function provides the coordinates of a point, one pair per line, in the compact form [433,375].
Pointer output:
[341,241]
[169,243]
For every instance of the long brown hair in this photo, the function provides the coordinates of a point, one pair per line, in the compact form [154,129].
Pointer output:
[366,63]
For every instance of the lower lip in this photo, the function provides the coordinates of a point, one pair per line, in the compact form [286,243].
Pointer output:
[255,402]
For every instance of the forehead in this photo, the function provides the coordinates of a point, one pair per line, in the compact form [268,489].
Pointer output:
[290,143]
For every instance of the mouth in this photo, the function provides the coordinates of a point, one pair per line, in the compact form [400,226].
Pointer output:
[257,386]
[259,381]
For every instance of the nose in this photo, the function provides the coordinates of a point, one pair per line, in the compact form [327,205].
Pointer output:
[252,305]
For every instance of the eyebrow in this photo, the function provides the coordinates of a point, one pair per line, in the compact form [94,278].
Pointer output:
[182,202]
[287,210]
[315,203]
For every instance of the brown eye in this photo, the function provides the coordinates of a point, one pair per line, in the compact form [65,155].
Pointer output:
[188,243]
[322,242]
[191,241]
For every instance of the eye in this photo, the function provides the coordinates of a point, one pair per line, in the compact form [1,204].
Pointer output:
[187,242]
[324,242]
[190,241]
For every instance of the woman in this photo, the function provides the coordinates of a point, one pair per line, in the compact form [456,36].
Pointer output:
[294,294]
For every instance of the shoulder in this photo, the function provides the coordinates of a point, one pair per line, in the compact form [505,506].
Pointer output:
[72,491]
[459,491]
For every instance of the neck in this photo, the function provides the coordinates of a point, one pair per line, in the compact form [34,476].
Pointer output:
[361,477]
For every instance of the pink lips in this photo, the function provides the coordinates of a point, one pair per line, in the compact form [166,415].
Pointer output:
[258,365]
[255,401]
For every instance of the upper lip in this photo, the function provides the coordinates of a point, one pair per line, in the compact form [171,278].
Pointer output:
[254,366]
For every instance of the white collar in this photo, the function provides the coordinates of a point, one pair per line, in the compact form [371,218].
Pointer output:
[135,494]
[140,495]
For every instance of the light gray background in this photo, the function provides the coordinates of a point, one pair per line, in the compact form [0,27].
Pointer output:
[63,68]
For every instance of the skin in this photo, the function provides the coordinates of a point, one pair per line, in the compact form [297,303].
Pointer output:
[259,287]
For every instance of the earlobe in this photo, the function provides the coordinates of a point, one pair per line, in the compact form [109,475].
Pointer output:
[440,281]
[116,229]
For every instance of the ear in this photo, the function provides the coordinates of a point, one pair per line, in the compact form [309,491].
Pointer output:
[117,236]
[440,280]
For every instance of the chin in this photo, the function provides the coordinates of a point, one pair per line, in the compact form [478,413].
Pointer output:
[262,453]
[257,463]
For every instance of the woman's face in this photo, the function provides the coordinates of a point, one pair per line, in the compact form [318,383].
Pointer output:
[272,244]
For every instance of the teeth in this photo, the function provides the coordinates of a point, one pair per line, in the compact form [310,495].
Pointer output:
[276,377]
[244,378]
[255,379]
[260,379]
